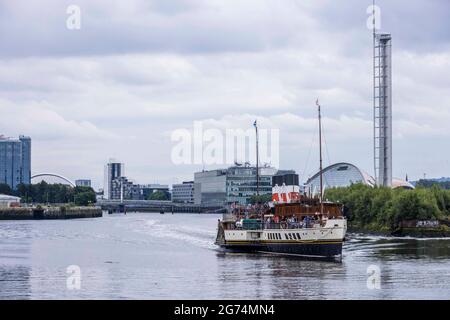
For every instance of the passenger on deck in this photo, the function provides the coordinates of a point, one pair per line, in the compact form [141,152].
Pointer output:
[268,222]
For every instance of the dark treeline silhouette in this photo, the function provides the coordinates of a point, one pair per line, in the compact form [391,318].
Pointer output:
[430,183]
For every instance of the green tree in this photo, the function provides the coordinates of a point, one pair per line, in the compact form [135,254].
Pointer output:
[5,189]
[85,198]
[415,204]
[55,193]
[23,191]
[158,195]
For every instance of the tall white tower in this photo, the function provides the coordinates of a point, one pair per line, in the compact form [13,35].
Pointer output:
[382,107]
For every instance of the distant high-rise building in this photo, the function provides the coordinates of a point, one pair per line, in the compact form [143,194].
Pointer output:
[15,161]
[83,183]
[26,159]
[113,170]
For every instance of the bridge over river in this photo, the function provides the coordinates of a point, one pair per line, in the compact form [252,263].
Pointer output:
[158,206]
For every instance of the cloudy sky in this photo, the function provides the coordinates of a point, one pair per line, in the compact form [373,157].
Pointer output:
[137,70]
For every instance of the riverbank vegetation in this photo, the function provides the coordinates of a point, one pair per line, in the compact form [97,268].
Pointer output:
[430,183]
[52,193]
[383,209]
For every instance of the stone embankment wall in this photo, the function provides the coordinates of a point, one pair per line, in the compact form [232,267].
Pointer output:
[49,213]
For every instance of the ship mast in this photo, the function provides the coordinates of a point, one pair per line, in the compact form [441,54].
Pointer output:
[257,159]
[258,205]
[320,151]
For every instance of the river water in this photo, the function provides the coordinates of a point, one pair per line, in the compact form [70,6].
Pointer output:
[153,256]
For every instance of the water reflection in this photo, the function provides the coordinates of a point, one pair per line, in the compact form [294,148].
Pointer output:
[15,244]
[150,256]
[277,277]
[14,282]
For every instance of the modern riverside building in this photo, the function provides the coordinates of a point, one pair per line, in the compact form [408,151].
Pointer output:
[83,183]
[344,175]
[15,161]
[118,187]
[233,185]
[113,170]
[122,188]
[183,192]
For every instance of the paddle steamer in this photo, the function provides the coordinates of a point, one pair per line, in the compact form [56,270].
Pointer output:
[292,224]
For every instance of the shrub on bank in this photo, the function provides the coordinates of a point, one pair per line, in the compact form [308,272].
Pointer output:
[382,208]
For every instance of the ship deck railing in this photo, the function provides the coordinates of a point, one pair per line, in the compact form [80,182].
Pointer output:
[274,226]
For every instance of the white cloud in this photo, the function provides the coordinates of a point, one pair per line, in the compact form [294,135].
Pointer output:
[136,72]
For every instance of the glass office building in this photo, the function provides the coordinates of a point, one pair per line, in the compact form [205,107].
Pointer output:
[15,161]
[241,183]
[233,185]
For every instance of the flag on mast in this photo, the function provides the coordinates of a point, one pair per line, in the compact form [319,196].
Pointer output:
[255,124]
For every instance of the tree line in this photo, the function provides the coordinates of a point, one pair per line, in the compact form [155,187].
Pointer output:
[383,208]
[44,192]
[430,183]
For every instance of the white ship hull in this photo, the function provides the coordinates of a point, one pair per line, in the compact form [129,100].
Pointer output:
[316,241]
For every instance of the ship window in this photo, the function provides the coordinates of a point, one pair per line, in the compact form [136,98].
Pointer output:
[286,236]
[298,236]
[294,236]
[279,236]
[290,236]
